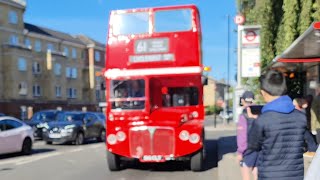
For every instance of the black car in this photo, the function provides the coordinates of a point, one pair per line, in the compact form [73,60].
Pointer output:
[74,127]
[39,120]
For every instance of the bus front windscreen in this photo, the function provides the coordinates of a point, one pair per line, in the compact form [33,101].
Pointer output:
[127,94]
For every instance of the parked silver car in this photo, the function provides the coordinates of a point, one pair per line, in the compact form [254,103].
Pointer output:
[15,136]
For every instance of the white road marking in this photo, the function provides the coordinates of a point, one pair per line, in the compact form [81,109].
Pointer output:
[36,157]
[30,160]
[76,150]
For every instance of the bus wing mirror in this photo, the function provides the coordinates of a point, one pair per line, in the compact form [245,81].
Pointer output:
[204,80]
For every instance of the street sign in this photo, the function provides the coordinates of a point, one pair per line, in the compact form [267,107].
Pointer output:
[250,51]
[251,37]
[239,19]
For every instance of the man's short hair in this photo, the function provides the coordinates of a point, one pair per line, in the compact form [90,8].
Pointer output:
[274,83]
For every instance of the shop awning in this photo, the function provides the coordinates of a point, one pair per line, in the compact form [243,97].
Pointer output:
[304,52]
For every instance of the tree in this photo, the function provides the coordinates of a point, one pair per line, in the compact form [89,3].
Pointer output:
[305,18]
[288,31]
[267,21]
[316,8]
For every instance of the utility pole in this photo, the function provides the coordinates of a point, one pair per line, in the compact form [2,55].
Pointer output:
[226,90]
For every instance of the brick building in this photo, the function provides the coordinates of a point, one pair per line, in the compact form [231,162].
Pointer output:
[41,68]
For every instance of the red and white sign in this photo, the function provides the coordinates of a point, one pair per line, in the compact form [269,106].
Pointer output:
[239,19]
[251,37]
[250,52]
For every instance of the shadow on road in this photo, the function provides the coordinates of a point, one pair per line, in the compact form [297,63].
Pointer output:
[226,145]
[34,152]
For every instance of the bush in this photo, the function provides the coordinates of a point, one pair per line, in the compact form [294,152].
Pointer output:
[209,110]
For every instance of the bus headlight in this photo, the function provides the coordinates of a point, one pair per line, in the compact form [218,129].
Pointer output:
[112,139]
[111,117]
[121,136]
[194,138]
[184,135]
[195,114]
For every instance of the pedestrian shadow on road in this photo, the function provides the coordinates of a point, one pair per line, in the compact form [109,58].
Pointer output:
[34,152]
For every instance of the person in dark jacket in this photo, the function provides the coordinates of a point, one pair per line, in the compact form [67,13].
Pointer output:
[278,133]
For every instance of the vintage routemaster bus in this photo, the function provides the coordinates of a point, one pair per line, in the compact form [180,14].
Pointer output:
[154,86]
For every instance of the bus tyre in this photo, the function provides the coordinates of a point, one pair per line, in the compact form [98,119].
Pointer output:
[197,161]
[113,161]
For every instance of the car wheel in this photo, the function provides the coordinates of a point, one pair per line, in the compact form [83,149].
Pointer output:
[197,161]
[26,146]
[102,136]
[48,142]
[79,139]
[114,161]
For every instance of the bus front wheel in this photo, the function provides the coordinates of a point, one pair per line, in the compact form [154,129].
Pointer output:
[113,161]
[197,161]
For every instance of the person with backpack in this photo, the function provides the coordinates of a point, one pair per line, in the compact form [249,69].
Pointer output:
[247,160]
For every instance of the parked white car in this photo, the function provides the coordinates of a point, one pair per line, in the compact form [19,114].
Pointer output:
[15,136]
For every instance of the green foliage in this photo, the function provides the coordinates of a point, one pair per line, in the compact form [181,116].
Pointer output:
[305,18]
[266,20]
[316,9]
[212,110]
[288,31]
[282,22]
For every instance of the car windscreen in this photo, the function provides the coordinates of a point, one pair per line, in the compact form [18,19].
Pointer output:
[101,116]
[44,116]
[70,117]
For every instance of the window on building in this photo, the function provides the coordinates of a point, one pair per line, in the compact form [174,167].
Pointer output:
[36,68]
[74,53]
[13,17]
[37,45]
[68,72]
[58,91]
[27,42]
[74,73]
[14,39]
[36,90]
[50,47]
[98,97]
[22,64]
[72,93]
[83,54]
[66,51]
[97,56]
[23,88]
[57,69]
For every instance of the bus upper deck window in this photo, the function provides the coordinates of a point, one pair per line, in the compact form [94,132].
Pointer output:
[173,20]
[130,23]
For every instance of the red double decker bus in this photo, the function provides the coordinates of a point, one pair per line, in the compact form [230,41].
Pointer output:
[154,86]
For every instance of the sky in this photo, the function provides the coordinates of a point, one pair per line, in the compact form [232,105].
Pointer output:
[90,17]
